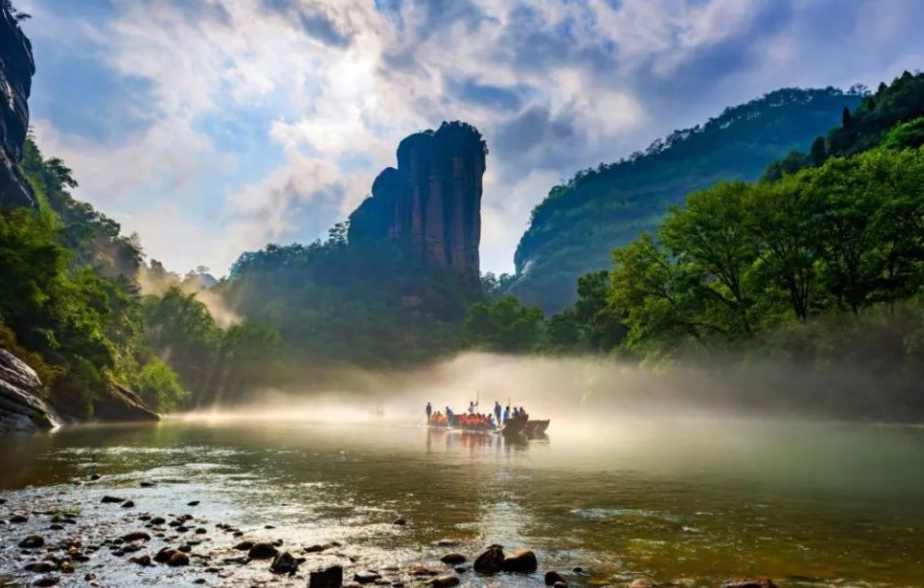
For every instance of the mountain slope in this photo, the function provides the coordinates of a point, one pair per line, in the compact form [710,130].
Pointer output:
[574,229]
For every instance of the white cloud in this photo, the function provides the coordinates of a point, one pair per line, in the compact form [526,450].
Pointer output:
[329,87]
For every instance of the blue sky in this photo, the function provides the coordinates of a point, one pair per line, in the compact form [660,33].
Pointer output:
[211,127]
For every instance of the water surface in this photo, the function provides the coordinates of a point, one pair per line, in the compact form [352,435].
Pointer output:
[691,501]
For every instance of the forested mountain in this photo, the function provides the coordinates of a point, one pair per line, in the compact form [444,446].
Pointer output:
[818,266]
[391,286]
[573,230]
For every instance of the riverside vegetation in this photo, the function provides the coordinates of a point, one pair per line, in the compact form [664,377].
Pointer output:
[818,263]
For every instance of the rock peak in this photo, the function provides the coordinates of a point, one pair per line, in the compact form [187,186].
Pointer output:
[431,203]
[16,70]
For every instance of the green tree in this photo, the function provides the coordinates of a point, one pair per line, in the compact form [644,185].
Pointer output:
[504,326]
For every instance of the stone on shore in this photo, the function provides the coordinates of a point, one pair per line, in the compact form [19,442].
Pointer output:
[136,536]
[178,559]
[491,561]
[32,542]
[164,555]
[447,581]
[262,551]
[366,576]
[453,558]
[552,577]
[331,577]
[523,562]
[284,563]
[142,560]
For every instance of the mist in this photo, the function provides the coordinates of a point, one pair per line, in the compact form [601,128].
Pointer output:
[578,390]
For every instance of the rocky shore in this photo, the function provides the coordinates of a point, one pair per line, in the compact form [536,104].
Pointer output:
[114,541]
[23,408]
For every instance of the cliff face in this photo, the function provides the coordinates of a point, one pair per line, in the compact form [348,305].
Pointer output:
[431,204]
[16,70]
[21,404]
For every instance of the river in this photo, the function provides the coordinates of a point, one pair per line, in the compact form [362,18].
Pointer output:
[692,501]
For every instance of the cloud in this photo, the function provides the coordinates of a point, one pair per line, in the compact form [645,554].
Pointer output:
[256,120]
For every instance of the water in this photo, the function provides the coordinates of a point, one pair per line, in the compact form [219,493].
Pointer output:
[691,501]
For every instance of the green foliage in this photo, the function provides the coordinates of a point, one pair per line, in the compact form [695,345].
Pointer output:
[908,135]
[892,117]
[68,299]
[573,230]
[159,387]
[349,302]
[93,239]
[744,260]
[504,326]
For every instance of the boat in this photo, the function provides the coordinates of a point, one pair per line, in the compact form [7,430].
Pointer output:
[536,428]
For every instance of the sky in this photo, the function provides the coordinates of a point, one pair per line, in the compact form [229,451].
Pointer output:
[213,127]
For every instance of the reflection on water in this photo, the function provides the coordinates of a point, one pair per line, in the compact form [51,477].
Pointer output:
[700,501]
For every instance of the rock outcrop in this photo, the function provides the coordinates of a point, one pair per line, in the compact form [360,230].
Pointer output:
[16,70]
[431,204]
[119,404]
[21,404]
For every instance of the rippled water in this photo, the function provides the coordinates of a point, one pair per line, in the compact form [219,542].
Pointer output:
[698,502]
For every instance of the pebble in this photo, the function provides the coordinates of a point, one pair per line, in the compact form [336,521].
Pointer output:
[552,577]
[453,558]
[178,559]
[32,542]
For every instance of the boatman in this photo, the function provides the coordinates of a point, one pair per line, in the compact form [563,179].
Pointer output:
[429,411]
[506,414]
[497,411]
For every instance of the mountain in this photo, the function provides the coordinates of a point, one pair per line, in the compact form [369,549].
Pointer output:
[574,229]
[430,204]
[391,287]
[16,70]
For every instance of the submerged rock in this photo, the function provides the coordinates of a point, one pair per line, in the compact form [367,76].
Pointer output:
[523,562]
[757,583]
[47,581]
[491,561]
[244,546]
[642,583]
[331,577]
[112,500]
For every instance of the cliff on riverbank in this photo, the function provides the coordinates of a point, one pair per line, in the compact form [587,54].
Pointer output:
[16,70]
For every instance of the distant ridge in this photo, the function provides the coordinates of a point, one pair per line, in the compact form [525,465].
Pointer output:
[574,229]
